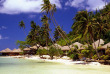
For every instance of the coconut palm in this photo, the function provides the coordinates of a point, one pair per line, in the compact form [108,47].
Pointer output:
[22,25]
[50,9]
[45,22]
[84,25]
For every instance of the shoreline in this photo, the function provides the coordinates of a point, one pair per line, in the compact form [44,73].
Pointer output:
[65,61]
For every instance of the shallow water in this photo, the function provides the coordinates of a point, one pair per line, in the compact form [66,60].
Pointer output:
[23,66]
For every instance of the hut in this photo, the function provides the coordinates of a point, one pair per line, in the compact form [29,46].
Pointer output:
[98,43]
[16,52]
[103,48]
[6,52]
[26,51]
[76,43]
[57,45]
[65,49]
[83,47]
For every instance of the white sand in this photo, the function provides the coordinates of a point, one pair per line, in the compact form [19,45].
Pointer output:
[62,60]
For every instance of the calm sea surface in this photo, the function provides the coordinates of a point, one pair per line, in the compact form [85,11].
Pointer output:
[22,66]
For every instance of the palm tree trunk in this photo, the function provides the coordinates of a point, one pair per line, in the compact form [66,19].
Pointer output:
[58,30]
[94,45]
[61,30]
[24,33]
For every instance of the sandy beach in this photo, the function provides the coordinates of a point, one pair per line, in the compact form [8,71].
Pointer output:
[63,60]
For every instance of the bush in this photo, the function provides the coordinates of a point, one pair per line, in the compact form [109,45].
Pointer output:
[95,57]
[73,54]
[42,52]
[105,57]
[21,53]
[54,52]
[85,53]
[108,51]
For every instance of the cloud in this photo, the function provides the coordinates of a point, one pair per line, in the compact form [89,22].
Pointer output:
[23,6]
[32,16]
[3,27]
[86,4]
[3,37]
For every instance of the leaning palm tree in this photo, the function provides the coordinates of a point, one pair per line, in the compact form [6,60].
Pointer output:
[22,25]
[50,9]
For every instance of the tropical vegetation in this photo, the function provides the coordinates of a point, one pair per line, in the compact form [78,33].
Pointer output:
[86,29]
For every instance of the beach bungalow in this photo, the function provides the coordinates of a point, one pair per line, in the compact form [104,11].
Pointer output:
[6,52]
[104,47]
[26,51]
[16,52]
[65,49]
[76,43]
[98,43]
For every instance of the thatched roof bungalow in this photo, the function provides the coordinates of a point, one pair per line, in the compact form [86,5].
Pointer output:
[105,46]
[76,43]
[98,42]
[65,48]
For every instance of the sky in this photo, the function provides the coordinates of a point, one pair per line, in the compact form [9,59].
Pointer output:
[13,11]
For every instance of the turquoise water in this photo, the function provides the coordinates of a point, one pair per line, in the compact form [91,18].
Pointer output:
[21,66]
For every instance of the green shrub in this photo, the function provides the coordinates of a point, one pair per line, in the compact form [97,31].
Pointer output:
[85,53]
[107,51]
[42,52]
[95,57]
[21,53]
[54,52]
[104,57]
[73,54]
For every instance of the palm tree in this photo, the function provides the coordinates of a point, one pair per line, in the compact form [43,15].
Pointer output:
[44,20]
[84,25]
[50,9]
[22,25]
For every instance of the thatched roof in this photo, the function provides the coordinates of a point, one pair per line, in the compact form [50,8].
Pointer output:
[46,48]
[63,48]
[33,47]
[76,43]
[16,50]
[57,45]
[8,50]
[105,46]
[84,46]
[41,47]
[98,43]
[2,51]
[26,49]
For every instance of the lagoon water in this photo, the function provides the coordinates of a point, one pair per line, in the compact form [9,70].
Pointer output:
[23,66]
